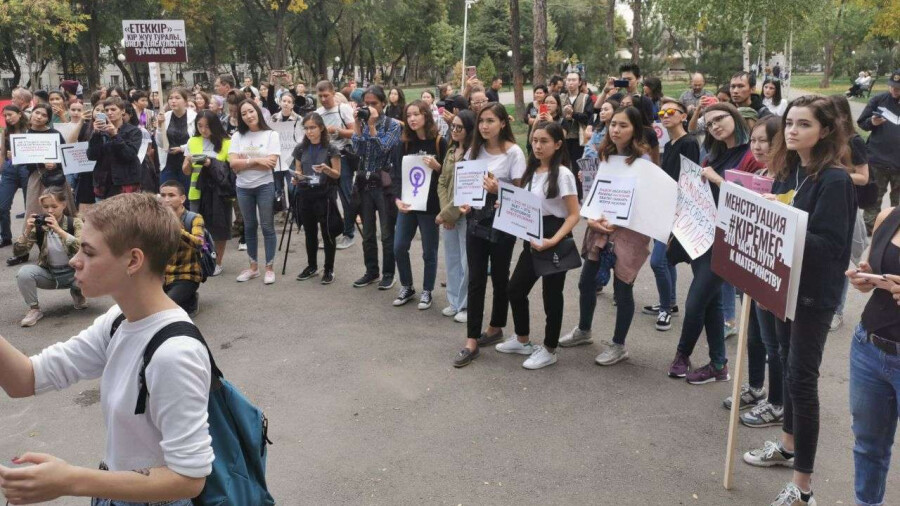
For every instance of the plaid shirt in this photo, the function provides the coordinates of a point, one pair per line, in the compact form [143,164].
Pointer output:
[375,152]
[72,243]
[185,264]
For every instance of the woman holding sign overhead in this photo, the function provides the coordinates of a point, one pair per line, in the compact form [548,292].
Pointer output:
[607,246]
[494,143]
[811,176]
[554,184]
[420,138]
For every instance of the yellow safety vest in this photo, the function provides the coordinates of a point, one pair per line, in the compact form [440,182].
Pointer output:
[195,146]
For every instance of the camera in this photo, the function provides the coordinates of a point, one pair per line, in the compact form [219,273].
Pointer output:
[363,114]
[40,220]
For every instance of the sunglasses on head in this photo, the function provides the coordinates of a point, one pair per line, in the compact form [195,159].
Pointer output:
[665,113]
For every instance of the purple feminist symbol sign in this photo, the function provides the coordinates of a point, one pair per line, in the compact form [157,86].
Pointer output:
[416,179]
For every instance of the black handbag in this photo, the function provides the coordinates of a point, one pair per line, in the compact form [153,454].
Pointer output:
[560,258]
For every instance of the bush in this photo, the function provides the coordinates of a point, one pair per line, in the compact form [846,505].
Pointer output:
[486,70]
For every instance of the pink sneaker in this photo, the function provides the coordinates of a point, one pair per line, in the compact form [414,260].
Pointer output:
[269,278]
[680,366]
[247,275]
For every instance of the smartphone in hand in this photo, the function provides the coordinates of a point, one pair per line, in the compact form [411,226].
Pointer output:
[878,280]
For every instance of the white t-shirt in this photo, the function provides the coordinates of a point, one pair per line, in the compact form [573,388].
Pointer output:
[255,145]
[208,149]
[57,253]
[555,206]
[340,116]
[174,431]
[506,166]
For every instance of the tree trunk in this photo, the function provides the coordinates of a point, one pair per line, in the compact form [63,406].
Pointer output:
[830,44]
[611,34]
[278,58]
[763,61]
[129,81]
[516,45]
[745,39]
[540,41]
[636,31]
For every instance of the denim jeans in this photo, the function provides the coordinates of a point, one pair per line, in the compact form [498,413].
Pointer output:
[14,177]
[840,308]
[107,502]
[345,186]
[874,389]
[623,293]
[703,309]
[728,309]
[666,275]
[259,199]
[457,267]
[762,349]
[403,236]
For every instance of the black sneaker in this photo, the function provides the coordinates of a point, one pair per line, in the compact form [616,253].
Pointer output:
[11,261]
[387,282]
[307,273]
[5,242]
[406,294]
[366,280]
[654,310]
[425,300]
[485,340]
[327,277]
[663,321]
[465,357]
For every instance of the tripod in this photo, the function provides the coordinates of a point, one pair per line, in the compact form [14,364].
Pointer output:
[293,209]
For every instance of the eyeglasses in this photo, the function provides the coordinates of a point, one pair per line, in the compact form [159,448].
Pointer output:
[457,128]
[665,113]
[712,122]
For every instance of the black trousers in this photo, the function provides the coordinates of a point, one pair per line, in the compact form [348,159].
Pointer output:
[802,343]
[314,217]
[373,201]
[520,284]
[183,293]
[576,151]
[479,253]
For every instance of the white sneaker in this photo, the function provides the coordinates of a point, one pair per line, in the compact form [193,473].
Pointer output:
[218,271]
[449,311]
[269,277]
[791,496]
[613,354]
[769,455]
[836,322]
[512,345]
[345,242]
[31,317]
[539,359]
[242,246]
[461,317]
[576,337]
[247,275]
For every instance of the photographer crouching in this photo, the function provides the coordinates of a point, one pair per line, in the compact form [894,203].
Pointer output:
[374,140]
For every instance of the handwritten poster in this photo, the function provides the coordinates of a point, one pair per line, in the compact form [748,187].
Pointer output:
[416,182]
[469,183]
[588,169]
[695,213]
[288,138]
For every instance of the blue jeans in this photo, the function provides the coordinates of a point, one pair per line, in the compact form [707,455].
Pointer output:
[14,177]
[457,265]
[346,190]
[260,198]
[403,236]
[874,388]
[107,502]
[177,175]
[703,309]
[728,310]
[665,274]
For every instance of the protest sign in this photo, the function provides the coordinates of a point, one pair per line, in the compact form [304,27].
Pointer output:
[695,213]
[655,195]
[142,152]
[416,179]
[758,248]
[611,197]
[288,138]
[75,159]
[469,183]
[519,213]
[662,135]
[34,148]
[69,131]
[588,168]
[155,40]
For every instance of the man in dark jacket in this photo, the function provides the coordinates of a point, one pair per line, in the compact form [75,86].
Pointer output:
[115,146]
[882,117]
[741,88]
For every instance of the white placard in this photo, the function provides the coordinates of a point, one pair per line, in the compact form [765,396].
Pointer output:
[416,179]
[655,195]
[695,213]
[662,135]
[519,213]
[287,137]
[611,197]
[469,184]
[34,148]
[885,113]
[75,159]
[588,170]
[142,151]
[69,131]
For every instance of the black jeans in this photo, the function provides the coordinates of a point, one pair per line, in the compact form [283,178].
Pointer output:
[520,285]
[622,292]
[372,201]
[313,217]
[802,343]
[183,293]
[703,309]
[576,151]
[480,252]
[762,349]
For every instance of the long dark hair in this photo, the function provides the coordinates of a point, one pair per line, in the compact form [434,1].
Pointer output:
[560,157]
[506,133]
[19,127]
[655,85]
[320,123]
[217,133]
[843,108]
[468,120]
[559,105]
[243,128]
[774,81]
[47,110]
[741,134]
[638,146]
[830,151]
[431,129]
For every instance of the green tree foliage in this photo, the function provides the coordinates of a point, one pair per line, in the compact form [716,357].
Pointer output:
[486,69]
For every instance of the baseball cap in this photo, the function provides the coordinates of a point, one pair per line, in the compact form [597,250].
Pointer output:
[894,81]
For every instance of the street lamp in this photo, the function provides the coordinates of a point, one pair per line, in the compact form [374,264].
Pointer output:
[337,61]
[509,55]
[469,4]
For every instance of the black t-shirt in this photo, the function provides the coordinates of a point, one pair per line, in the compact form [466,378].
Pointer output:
[309,156]
[858,153]
[650,137]
[177,134]
[492,95]
[671,158]
[427,147]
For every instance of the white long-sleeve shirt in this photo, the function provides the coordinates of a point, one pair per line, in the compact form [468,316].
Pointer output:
[173,432]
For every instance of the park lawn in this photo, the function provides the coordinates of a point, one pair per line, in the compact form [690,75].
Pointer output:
[810,83]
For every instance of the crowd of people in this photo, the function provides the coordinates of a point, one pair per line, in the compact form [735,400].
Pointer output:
[216,162]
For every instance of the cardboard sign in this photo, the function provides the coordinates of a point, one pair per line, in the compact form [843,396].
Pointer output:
[758,184]
[288,139]
[611,197]
[588,168]
[75,159]
[655,195]
[758,248]
[469,183]
[416,179]
[519,213]
[695,213]
[34,148]
[155,40]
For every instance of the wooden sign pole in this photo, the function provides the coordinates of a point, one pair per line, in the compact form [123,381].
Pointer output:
[736,391]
